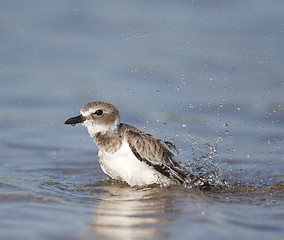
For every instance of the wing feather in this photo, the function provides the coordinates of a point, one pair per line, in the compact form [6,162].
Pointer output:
[154,152]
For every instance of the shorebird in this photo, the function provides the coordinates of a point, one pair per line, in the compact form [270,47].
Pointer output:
[126,153]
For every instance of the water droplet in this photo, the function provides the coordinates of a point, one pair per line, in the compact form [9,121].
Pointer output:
[73,124]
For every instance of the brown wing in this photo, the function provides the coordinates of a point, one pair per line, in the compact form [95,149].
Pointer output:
[153,152]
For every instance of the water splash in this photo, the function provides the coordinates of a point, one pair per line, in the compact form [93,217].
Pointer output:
[201,169]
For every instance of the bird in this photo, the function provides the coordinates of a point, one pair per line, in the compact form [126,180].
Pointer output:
[127,154]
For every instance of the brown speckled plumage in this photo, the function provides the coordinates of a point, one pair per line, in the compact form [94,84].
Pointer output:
[147,148]
[128,154]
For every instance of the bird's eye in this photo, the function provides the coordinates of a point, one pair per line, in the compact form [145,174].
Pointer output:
[99,112]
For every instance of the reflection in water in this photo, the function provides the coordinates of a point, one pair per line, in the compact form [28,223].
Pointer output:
[125,212]
[128,213]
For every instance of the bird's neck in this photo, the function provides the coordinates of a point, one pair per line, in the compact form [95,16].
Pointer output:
[102,129]
[109,141]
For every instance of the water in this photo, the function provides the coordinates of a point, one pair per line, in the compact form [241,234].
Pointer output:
[207,76]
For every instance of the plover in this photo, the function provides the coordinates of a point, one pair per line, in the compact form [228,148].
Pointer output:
[126,153]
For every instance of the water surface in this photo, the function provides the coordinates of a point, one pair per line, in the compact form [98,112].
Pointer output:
[207,76]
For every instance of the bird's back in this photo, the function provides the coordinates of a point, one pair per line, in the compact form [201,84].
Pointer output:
[153,152]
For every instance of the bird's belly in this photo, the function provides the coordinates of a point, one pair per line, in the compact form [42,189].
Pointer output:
[123,165]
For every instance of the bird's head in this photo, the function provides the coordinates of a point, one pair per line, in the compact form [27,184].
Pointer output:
[98,117]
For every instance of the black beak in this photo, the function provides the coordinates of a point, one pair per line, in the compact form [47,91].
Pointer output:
[74,120]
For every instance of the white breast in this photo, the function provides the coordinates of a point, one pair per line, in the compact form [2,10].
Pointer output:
[123,165]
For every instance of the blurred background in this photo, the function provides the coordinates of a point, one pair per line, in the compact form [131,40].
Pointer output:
[193,72]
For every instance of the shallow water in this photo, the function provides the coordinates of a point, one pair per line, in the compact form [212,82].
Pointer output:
[207,76]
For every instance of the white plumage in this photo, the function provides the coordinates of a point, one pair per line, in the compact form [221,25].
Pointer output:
[125,153]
